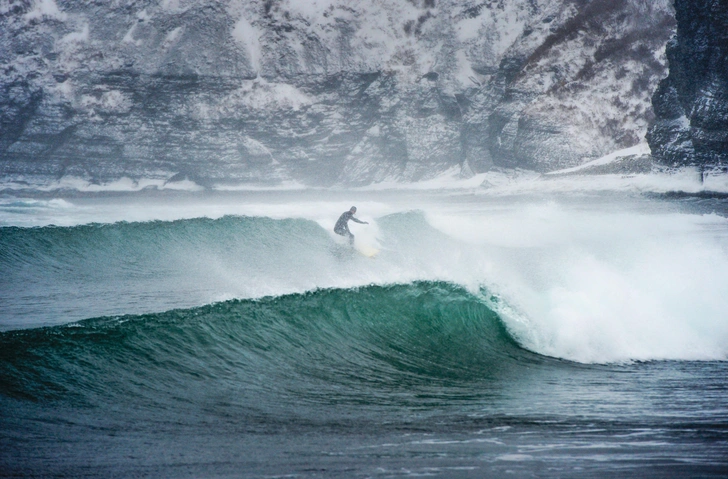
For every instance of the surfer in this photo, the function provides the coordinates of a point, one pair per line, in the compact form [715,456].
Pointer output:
[342,225]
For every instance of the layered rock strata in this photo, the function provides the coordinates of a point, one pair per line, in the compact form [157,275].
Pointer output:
[322,92]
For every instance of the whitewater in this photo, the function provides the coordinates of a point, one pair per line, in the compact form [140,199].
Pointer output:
[509,325]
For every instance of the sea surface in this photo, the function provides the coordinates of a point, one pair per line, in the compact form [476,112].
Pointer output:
[210,334]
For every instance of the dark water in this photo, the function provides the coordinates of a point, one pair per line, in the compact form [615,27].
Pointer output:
[375,371]
[376,381]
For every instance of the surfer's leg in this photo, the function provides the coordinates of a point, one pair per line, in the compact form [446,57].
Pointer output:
[351,239]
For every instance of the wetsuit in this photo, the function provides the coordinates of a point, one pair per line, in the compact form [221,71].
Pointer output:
[342,225]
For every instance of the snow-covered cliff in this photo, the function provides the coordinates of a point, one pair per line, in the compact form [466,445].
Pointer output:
[322,91]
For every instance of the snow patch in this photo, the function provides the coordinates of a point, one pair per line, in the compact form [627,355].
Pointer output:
[260,95]
[468,29]
[640,149]
[170,5]
[312,9]
[112,101]
[79,37]
[248,36]
[143,16]
[255,94]
[373,131]
[464,73]
[65,89]
[257,148]
[45,9]
[172,37]
[129,37]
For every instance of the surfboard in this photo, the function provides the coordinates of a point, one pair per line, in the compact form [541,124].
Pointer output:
[366,250]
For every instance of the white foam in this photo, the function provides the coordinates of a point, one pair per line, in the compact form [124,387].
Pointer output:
[452,179]
[685,180]
[289,185]
[75,183]
[596,286]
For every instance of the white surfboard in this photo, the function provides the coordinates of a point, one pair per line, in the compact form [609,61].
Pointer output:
[366,250]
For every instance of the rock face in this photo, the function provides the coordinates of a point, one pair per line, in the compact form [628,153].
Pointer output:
[322,92]
[691,104]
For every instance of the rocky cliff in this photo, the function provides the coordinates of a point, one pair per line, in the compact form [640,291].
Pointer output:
[691,104]
[323,91]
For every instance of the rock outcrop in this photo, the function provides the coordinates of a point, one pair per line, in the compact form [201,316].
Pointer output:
[322,92]
[691,104]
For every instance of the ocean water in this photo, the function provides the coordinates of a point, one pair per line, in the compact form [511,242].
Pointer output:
[232,334]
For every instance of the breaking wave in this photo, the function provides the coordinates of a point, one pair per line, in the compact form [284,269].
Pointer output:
[584,284]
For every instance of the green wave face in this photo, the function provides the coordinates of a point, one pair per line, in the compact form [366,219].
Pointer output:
[417,344]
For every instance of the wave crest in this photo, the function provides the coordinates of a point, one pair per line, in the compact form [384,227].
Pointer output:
[372,344]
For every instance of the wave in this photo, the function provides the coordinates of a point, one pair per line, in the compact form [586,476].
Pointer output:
[592,283]
[62,274]
[377,344]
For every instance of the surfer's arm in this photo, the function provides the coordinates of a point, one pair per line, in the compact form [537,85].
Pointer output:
[359,221]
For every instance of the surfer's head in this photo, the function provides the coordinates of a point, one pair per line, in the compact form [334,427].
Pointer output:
[352,209]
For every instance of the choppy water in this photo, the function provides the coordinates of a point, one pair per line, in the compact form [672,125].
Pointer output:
[236,336]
